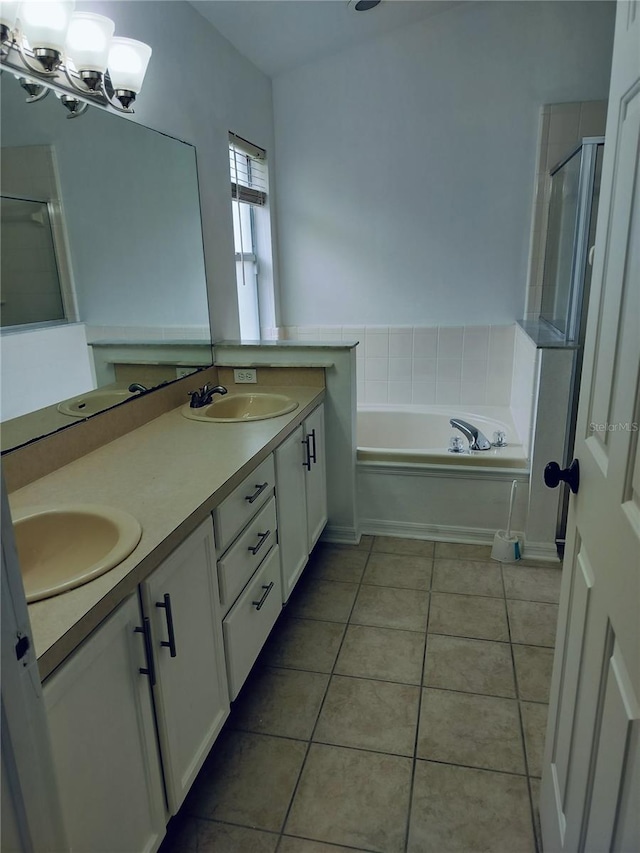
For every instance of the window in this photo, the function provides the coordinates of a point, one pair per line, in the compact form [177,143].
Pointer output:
[248,195]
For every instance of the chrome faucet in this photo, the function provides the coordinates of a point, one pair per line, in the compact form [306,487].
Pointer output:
[203,396]
[477,441]
[136,386]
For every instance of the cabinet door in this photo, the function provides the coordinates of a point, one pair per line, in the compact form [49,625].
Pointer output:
[181,600]
[104,742]
[316,478]
[292,509]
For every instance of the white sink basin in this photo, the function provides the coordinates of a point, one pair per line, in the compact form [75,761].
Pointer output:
[64,547]
[93,402]
[234,408]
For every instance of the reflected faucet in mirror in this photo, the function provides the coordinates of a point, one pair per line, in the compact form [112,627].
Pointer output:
[136,386]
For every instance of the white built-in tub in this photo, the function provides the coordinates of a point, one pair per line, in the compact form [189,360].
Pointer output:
[410,485]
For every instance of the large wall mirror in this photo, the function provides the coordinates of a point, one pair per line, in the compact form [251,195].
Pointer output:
[103,283]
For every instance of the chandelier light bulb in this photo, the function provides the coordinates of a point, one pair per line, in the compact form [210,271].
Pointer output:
[8,13]
[128,60]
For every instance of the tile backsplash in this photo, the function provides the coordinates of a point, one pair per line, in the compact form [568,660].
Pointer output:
[469,365]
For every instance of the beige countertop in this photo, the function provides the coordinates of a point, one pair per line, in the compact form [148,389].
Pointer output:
[169,474]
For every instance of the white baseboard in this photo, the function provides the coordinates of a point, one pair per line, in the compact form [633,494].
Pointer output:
[439,533]
[340,535]
[541,551]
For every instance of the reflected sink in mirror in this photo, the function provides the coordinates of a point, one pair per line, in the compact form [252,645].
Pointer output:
[93,402]
[236,408]
[63,547]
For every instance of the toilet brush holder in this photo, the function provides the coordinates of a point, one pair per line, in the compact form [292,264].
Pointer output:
[506,549]
[506,545]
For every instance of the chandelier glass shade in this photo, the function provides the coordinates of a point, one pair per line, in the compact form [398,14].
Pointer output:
[48,45]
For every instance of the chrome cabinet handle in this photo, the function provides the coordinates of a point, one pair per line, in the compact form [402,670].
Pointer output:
[312,455]
[263,538]
[260,487]
[306,463]
[150,668]
[171,642]
[267,589]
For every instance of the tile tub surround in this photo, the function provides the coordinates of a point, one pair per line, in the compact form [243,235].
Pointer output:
[426,364]
[356,735]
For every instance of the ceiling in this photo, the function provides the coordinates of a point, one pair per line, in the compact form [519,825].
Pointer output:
[278,35]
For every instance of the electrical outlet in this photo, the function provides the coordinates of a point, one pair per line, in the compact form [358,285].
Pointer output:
[244,376]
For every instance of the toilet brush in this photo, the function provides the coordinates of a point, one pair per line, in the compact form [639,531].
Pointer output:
[506,546]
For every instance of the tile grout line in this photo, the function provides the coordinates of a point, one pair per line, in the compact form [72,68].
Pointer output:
[522,735]
[324,698]
[420,695]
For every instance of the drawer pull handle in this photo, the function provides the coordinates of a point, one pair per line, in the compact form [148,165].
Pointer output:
[263,538]
[267,589]
[260,487]
[171,642]
[150,668]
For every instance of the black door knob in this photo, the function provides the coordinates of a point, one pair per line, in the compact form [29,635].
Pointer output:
[553,473]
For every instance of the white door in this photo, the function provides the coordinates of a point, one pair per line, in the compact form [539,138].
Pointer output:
[181,600]
[292,510]
[590,794]
[104,741]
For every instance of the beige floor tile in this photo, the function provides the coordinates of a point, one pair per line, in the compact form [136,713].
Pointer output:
[534,723]
[376,715]
[247,779]
[472,666]
[216,837]
[283,702]
[398,571]
[533,623]
[460,810]
[406,547]
[330,563]
[468,616]
[326,600]
[471,577]
[302,845]
[303,644]
[384,653]
[384,607]
[532,584]
[459,551]
[533,672]
[352,797]
[478,731]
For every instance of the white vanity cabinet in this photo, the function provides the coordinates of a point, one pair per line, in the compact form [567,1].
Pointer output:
[104,741]
[248,569]
[180,599]
[301,496]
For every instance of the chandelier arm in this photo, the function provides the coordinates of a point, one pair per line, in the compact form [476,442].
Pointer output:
[80,111]
[36,69]
[31,99]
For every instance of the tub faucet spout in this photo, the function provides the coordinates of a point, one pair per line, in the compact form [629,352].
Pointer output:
[477,441]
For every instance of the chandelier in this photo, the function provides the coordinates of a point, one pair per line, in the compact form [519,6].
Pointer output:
[47,45]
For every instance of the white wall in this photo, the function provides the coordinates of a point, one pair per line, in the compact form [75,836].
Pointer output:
[198,87]
[407,164]
[30,381]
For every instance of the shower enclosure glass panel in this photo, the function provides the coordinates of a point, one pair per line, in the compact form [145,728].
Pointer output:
[570,230]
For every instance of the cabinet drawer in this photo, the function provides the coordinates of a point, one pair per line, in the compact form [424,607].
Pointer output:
[248,623]
[236,509]
[246,554]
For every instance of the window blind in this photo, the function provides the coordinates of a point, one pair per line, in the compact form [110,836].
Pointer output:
[248,168]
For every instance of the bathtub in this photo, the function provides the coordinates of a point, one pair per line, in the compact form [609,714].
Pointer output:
[410,485]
